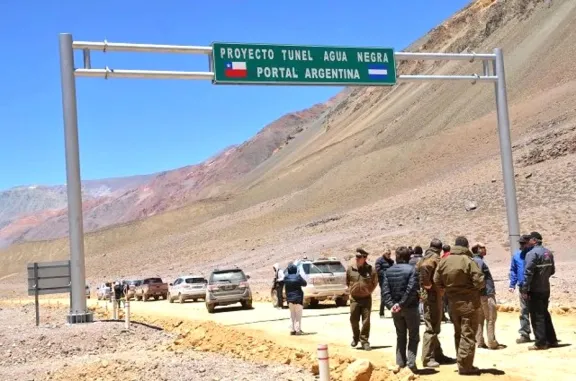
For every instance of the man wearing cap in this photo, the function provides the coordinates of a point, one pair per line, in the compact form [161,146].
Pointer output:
[539,267]
[517,279]
[432,354]
[488,310]
[361,279]
[462,280]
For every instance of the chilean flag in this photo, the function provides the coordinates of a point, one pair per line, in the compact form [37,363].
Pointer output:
[236,70]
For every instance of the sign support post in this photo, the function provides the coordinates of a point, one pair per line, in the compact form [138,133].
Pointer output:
[287,65]
[78,311]
[506,158]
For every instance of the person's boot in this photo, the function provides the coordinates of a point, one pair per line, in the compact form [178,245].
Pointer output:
[366,347]
[445,360]
[354,343]
[469,372]
[432,364]
[523,340]
[538,348]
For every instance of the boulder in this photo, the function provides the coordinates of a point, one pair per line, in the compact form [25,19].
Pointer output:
[359,370]
[470,205]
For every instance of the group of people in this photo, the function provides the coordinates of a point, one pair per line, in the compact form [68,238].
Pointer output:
[419,284]
[424,285]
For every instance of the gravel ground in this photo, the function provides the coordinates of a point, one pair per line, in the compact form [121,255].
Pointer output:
[105,351]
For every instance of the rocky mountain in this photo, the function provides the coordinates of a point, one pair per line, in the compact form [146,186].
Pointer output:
[39,212]
[378,167]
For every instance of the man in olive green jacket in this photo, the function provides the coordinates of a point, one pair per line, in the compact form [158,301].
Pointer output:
[432,354]
[361,279]
[463,281]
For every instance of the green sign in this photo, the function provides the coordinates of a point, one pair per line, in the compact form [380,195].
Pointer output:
[261,64]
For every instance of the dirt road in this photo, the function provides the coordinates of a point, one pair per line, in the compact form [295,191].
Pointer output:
[330,325]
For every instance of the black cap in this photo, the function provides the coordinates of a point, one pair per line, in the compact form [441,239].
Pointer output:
[361,253]
[524,238]
[536,235]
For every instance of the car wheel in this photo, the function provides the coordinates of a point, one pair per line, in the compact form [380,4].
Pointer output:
[314,303]
[210,308]
[246,304]
[170,300]
[181,298]
[341,302]
[195,300]
[306,303]
[156,297]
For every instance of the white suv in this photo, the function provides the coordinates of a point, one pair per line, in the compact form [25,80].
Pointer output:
[326,278]
[187,287]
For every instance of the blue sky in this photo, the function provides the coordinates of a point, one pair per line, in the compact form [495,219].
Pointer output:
[132,126]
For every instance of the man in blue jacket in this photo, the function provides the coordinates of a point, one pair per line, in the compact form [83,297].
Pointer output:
[517,279]
[293,283]
[400,293]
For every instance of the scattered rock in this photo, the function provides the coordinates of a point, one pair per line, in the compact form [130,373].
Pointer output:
[359,370]
[528,175]
[470,205]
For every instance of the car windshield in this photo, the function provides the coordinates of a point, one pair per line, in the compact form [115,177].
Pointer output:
[227,276]
[133,282]
[195,280]
[152,280]
[323,267]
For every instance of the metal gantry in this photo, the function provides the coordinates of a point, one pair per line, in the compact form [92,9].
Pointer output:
[493,71]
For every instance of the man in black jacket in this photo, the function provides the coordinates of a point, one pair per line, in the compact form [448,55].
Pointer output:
[382,264]
[538,269]
[400,293]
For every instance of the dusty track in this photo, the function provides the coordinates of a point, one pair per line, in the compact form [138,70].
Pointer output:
[240,333]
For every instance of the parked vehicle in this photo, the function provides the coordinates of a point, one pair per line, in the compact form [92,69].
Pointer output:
[104,291]
[87,292]
[326,278]
[187,287]
[151,288]
[129,287]
[228,286]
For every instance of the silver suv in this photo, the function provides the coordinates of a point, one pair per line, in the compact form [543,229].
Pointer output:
[326,278]
[228,286]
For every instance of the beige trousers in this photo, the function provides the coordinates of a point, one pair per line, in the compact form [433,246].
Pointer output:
[295,317]
[488,313]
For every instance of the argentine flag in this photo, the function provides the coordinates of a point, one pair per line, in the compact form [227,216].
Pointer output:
[378,71]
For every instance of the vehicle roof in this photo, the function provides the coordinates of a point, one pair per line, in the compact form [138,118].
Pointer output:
[323,259]
[227,269]
[191,276]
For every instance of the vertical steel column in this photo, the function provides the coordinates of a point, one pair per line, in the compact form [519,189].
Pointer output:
[506,157]
[78,311]
[36,301]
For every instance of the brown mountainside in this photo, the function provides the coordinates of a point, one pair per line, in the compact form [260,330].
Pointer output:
[387,165]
